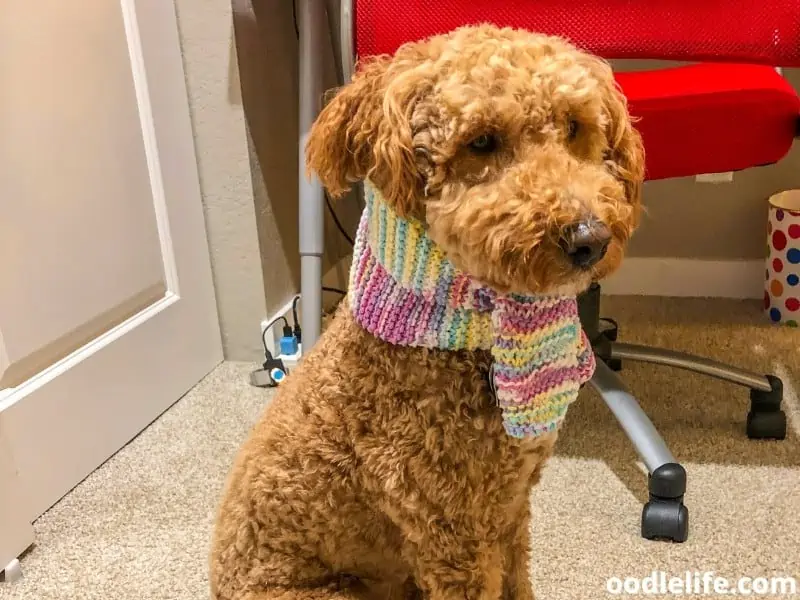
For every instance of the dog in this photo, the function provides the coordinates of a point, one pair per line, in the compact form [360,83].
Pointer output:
[384,469]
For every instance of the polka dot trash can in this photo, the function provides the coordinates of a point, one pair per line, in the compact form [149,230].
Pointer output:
[782,293]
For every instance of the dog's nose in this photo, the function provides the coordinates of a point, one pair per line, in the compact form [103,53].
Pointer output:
[586,242]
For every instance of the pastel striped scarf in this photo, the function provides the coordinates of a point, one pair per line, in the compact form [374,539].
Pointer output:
[405,291]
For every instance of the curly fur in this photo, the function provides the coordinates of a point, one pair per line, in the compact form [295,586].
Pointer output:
[385,471]
[405,122]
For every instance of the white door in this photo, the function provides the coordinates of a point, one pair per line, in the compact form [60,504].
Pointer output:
[107,309]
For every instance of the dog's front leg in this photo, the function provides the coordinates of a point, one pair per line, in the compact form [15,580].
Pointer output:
[518,585]
[459,570]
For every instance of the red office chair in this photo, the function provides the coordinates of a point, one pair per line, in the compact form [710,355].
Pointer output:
[732,112]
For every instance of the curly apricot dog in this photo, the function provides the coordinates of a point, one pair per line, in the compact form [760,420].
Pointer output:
[384,469]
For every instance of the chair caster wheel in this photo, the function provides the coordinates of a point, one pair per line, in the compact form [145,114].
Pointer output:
[766,420]
[766,425]
[665,519]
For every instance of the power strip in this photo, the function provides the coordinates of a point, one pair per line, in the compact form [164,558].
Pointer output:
[292,360]
[272,330]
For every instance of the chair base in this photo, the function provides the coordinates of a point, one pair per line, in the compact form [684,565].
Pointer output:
[664,516]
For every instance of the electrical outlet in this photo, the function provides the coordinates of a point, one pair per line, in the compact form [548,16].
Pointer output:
[726,177]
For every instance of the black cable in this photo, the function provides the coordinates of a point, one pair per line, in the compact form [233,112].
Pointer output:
[298,333]
[264,334]
[294,309]
[294,18]
[334,290]
[339,225]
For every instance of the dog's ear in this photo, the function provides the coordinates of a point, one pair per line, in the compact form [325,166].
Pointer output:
[364,132]
[340,141]
[625,144]
[626,151]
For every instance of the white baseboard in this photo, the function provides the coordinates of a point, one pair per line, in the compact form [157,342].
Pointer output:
[684,277]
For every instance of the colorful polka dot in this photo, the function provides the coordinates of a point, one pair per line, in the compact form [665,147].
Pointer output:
[782,291]
[776,287]
[779,240]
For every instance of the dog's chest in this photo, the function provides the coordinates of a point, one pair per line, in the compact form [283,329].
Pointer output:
[452,452]
[429,438]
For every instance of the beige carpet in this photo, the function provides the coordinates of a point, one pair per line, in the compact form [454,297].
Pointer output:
[138,528]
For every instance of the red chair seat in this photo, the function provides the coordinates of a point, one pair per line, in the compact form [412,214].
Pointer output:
[711,118]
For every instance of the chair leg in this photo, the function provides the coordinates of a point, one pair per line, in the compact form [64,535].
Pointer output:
[765,420]
[664,516]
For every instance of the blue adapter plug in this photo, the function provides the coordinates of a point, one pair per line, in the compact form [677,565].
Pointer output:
[288,345]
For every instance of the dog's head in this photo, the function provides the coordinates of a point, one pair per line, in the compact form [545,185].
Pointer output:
[515,149]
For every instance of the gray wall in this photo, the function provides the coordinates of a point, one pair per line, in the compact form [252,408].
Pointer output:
[268,62]
[241,68]
[225,172]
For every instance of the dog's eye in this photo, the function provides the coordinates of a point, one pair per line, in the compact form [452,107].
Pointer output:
[484,144]
[572,129]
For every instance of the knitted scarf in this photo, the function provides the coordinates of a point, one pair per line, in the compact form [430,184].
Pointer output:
[405,291]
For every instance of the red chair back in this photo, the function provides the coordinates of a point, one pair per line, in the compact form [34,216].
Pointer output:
[750,31]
